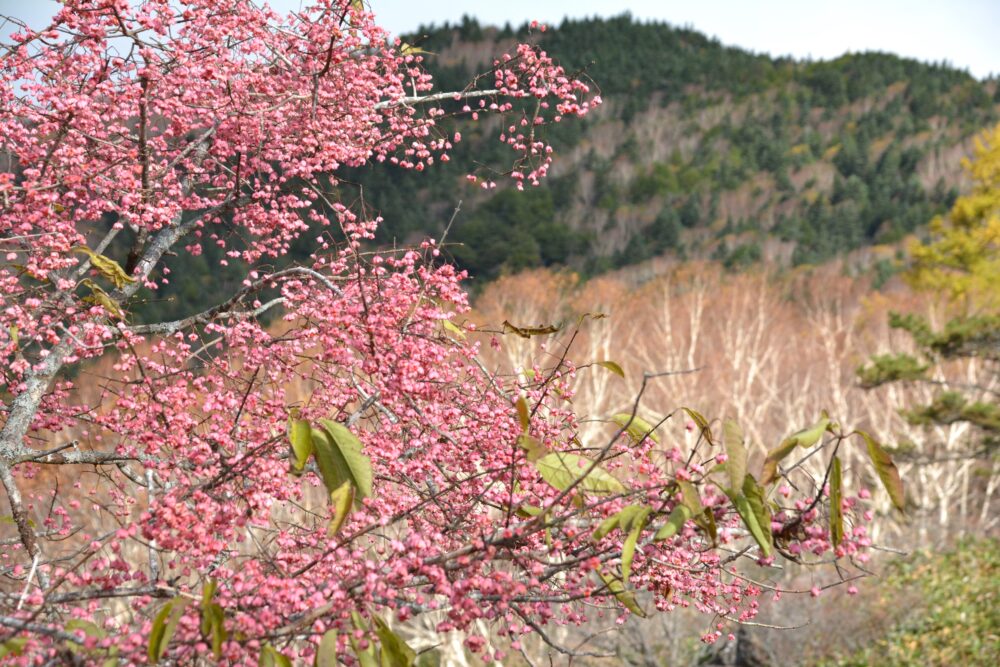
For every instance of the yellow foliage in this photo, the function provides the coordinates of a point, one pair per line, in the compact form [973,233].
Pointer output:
[962,258]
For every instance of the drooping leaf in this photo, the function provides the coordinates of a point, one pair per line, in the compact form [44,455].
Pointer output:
[836,511]
[700,422]
[690,497]
[736,465]
[164,626]
[107,267]
[638,429]
[523,412]
[271,657]
[300,439]
[366,656]
[622,519]
[395,651]
[534,449]
[340,503]
[326,652]
[528,332]
[675,522]
[562,470]
[623,595]
[752,508]
[628,547]
[339,458]
[101,298]
[887,471]
[804,438]
[613,367]
[706,521]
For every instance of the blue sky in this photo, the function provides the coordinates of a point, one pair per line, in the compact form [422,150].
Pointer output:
[962,32]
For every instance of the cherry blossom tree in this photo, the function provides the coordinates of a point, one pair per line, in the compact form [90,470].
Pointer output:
[217,489]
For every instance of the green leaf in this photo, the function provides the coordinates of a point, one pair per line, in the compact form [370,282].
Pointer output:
[395,652]
[613,367]
[339,458]
[736,465]
[836,511]
[107,267]
[690,497]
[700,421]
[366,657]
[626,597]
[270,657]
[429,658]
[637,428]
[535,449]
[341,500]
[300,438]
[13,647]
[628,548]
[562,470]
[804,438]
[326,652]
[164,626]
[523,413]
[753,509]
[675,522]
[623,519]
[89,627]
[527,511]
[213,618]
[887,471]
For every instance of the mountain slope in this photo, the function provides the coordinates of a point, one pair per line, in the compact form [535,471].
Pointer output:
[700,150]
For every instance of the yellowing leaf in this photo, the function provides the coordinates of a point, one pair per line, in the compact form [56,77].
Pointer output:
[107,267]
[341,500]
[836,511]
[270,657]
[626,597]
[535,449]
[528,332]
[613,367]
[300,438]
[805,438]
[453,328]
[638,429]
[562,470]
[326,652]
[887,471]
[101,298]
[395,652]
[523,413]
[736,465]
[700,421]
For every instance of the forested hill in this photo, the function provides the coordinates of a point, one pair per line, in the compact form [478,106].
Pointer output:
[701,150]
